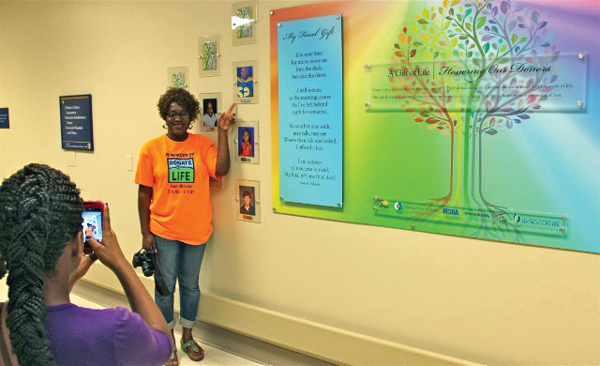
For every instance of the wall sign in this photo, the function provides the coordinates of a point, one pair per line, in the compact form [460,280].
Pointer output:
[466,118]
[310,110]
[76,125]
[4,120]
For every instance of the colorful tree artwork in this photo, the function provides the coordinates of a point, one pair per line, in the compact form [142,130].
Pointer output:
[497,61]
[209,55]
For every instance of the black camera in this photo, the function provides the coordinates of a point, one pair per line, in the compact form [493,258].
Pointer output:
[144,259]
[148,260]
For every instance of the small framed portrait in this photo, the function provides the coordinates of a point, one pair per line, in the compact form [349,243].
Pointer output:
[247,202]
[210,102]
[243,19]
[177,77]
[244,85]
[246,142]
[209,55]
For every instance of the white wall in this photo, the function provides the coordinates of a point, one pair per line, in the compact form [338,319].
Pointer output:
[483,301]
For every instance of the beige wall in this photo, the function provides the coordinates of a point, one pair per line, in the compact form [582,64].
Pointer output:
[477,300]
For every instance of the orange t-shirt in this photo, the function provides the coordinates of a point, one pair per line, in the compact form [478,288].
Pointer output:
[178,172]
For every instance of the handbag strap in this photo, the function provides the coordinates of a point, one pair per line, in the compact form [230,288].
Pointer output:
[4,341]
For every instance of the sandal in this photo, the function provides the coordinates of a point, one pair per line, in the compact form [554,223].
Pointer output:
[193,350]
[173,361]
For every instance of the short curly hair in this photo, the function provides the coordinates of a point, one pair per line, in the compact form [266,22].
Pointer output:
[180,96]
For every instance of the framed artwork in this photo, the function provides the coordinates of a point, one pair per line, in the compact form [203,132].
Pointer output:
[209,55]
[211,106]
[243,17]
[244,85]
[247,201]
[177,77]
[246,142]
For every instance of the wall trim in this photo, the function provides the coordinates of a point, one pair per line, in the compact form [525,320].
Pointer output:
[314,339]
[306,337]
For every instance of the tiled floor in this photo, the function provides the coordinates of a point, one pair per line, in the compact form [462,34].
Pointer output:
[213,356]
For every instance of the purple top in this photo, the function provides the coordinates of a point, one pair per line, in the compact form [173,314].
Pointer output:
[80,336]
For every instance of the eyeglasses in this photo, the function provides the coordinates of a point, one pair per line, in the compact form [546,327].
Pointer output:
[173,115]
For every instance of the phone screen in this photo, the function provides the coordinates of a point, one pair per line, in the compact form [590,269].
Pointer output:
[92,225]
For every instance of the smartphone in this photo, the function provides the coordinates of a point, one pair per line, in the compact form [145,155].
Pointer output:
[92,223]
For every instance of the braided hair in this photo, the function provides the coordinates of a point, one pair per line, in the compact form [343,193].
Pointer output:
[40,211]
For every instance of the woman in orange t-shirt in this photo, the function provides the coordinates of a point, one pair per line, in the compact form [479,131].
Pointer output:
[174,204]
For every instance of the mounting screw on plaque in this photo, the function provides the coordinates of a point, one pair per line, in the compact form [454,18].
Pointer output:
[274,209]
[367,104]
[271,12]
[412,226]
[563,217]
[279,24]
[579,103]
[367,66]
[339,205]
[581,56]
[563,229]
[281,199]
[337,17]
[375,208]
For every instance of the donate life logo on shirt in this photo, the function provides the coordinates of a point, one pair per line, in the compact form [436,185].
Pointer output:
[181,170]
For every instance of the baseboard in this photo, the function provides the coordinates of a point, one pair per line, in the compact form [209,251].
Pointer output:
[314,341]
[231,342]
[331,344]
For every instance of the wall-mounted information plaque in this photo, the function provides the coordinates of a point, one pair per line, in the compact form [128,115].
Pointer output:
[310,110]
[552,83]
[76,126]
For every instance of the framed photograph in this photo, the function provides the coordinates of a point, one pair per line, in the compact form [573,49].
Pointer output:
[177,77]
[209,55]
[247,201]
[246,142]
[243,19]
[244,85]
[211,110]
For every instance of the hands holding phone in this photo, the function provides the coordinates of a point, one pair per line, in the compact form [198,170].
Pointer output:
[108,252]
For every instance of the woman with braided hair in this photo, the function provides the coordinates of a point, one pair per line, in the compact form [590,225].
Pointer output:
[41,248]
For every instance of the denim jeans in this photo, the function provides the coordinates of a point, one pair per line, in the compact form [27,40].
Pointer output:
[179,261]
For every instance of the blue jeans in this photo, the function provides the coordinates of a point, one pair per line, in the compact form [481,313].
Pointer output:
[181,261]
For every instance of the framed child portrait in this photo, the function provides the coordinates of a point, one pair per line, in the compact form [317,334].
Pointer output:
[210,103]
[244,85]
[209,55]
[177,77]
[243,19]
[247,201]
[246,142]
